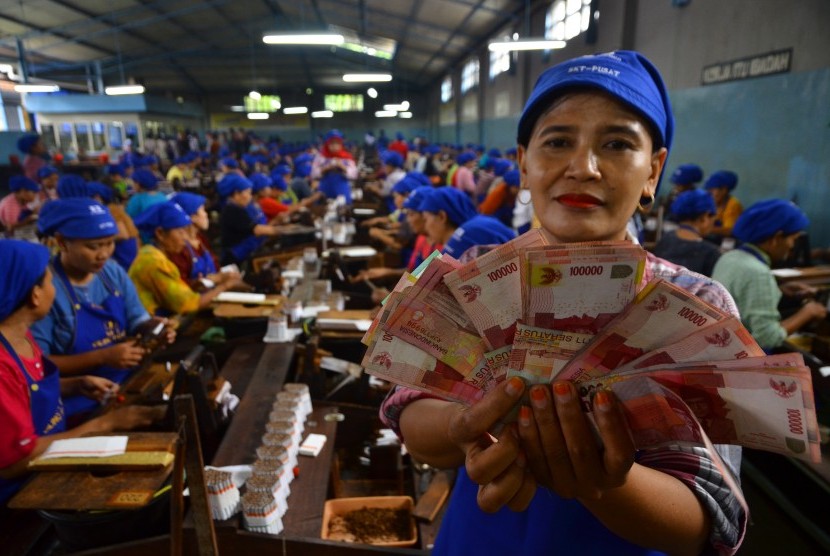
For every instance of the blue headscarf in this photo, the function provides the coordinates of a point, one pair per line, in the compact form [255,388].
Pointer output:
[16,183]
[231,183]
[687,174]
[71,186]
[190,202]
[691,204]
[146,179]
[722,178]
[764,219]
[167,216]
[24,265]
[455,203]
[625,75]
[76,218]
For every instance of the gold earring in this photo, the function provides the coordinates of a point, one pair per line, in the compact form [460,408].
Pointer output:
[645,207]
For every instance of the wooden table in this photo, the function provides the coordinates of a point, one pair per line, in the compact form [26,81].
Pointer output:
[813,275]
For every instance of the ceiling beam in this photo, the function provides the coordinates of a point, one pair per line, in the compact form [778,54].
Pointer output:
[440,52]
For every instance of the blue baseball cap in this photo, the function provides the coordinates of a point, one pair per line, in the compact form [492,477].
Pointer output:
[764,219]
[722,178]
[167,216]
[687,174]
[76,218]
[691,204]
[625,75]
[455,203]
[190,202]
[16,183]
[24,263]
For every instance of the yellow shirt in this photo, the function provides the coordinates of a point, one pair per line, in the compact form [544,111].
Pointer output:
[726,216]
[159,284]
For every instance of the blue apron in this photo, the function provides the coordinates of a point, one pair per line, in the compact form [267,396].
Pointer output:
[46,408]
[551,525]
[245,248]
[202,264]
[126,250]
[96,327]
[335,183]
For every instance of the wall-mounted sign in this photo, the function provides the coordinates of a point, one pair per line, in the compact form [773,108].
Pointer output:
[770,63]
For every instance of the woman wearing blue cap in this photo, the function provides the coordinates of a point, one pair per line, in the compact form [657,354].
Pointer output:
[18,211]
[146,195]
[32,146]
[96,306]
[161,287]
[694,212]
[501,200]
[334,168]
[31,408]
[767,231]
[244,226]
[464,178]
[450,219]
[593,140]
[47,177]
[720,185]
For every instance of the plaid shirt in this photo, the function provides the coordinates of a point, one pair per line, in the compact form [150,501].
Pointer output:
[752,284]
[693,466]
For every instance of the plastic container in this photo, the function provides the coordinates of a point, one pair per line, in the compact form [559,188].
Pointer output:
[342,506]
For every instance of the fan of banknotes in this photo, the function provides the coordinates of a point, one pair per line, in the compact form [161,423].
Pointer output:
[685,371]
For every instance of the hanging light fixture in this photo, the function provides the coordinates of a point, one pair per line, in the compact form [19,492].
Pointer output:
[304,38]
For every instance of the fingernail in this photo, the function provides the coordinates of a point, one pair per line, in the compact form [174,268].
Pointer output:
[602,400]
[514,387]
[538,397]
[524,415]
[562,391]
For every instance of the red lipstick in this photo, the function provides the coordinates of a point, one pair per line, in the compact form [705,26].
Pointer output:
[576,200]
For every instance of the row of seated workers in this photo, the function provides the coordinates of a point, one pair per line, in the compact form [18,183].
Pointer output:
[90,266]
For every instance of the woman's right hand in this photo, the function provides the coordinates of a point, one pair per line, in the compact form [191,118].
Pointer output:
[123,355]
[497,465]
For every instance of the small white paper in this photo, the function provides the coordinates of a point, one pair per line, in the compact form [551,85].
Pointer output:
[312,445]
[240,297]
[361,325]
[312,310]
[88,447]
[363,211]
[291,333]
[786,272]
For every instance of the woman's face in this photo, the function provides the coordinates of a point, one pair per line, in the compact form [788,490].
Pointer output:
[335,146]
[171,241]
[436,227]
[87,255]
[719,194]
[415,220]
[200,218]
[587,164]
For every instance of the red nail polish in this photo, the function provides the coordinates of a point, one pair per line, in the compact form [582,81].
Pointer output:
[602,399]
[562,389]
[537,394]
[524,415]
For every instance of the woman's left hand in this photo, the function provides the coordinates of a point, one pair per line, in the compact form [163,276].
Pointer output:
[95,387]
[561,447]
[169,332]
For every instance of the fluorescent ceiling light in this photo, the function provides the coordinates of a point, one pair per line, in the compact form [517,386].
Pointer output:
[255,95]
[125,90]
[295,110]
[258,115]
[322,114]
[402,107]
[525,44]
[304,38]
[405,115]
[385,114]
[237,108]
[366,77]
[34,88]
[372,92]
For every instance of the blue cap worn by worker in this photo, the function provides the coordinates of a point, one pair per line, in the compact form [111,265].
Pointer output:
[229,163]
[627,76]
[455,203]
[46,172]
[420,177]
[190,202]
[722,178]
[25,143]
[76,218]
[479,230]
[260,181]
[413,202]
[72,185]
[406,185]
[101,190]
[764,219]
[392,158]
[691,204]
[512,178]
[146,179]
[232,183]
[302,169]
[167,216]
[24,264]
[686,174]
[465,157]
[16,183]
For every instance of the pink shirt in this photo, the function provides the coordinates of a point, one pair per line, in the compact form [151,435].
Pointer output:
[10,209]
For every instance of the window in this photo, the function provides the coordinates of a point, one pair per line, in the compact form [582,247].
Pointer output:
[65,136]
[265,103]
[446,89]
[99,141]
[567,18]
[499,63]
[343,103]
[116,134]
[469,75]
[82,136]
